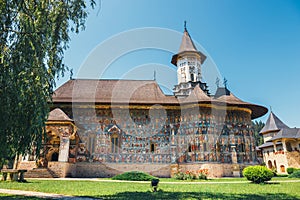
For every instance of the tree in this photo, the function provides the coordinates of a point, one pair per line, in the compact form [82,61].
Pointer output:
[33,37]
[257,126]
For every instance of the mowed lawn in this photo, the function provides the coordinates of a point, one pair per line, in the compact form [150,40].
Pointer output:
[167,190]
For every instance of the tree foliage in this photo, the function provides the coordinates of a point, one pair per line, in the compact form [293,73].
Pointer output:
[33,37]
[257,126]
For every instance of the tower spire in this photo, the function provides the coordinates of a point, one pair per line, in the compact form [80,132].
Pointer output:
[188,61]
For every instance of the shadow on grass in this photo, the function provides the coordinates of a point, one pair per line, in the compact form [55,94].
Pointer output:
[195,195]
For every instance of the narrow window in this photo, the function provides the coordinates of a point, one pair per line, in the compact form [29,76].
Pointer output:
[114,143]
[152,147]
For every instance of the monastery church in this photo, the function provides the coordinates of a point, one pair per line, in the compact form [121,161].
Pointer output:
[100,128]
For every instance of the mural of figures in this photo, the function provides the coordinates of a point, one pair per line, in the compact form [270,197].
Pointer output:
[203,137]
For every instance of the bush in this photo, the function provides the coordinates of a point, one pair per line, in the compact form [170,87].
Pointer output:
[134,176]
[290,170]
[295,174]
[192,175]
[258,174]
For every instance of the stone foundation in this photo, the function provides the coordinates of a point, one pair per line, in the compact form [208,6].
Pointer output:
[215,170]
[105,170]
[62,169]
[112,169]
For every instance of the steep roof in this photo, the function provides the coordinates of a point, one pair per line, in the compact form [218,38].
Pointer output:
[224,95]
[58,115]
[289,133]
[197,95]
[273,124]
[222,91]
[268,144]
[112,91]
[187,45]
[138,92]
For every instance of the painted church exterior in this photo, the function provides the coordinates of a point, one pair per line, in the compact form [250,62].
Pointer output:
[99,128]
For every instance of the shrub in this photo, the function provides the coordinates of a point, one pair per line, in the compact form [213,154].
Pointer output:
[295,174]
[192,175]
[290,170]
[258,174]
[134,176]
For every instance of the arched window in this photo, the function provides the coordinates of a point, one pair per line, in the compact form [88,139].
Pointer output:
[115,143]
[270,164]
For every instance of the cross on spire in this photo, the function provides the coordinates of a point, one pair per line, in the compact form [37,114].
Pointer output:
[225,82]
[184,25]
[218,82]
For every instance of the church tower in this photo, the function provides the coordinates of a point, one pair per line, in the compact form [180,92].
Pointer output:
[188,61]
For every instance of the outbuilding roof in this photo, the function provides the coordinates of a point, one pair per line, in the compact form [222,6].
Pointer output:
[273,124]
[268,144]
[287,133]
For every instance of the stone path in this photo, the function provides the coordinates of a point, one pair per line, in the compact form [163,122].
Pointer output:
[43,195]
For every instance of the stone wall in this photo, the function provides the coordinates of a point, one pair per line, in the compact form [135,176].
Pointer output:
[160,170]
[28,165]
[110,169]
[215,170]
[293,159]
[62,169]
[276,159]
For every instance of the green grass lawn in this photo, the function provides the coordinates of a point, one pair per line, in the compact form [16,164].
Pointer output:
[186,190]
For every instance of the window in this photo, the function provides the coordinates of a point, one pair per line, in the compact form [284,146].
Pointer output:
[289,147]
[152,147]
[192,77]
[204,146]
[114,143]
[91,144]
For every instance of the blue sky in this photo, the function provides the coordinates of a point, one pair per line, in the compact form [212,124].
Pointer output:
[255,44]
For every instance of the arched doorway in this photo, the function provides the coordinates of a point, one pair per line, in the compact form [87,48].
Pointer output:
[52,145]
[270,164]
[54,157]
[282,168]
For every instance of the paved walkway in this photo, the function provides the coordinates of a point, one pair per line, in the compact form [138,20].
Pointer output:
[66,197]
[42,195]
